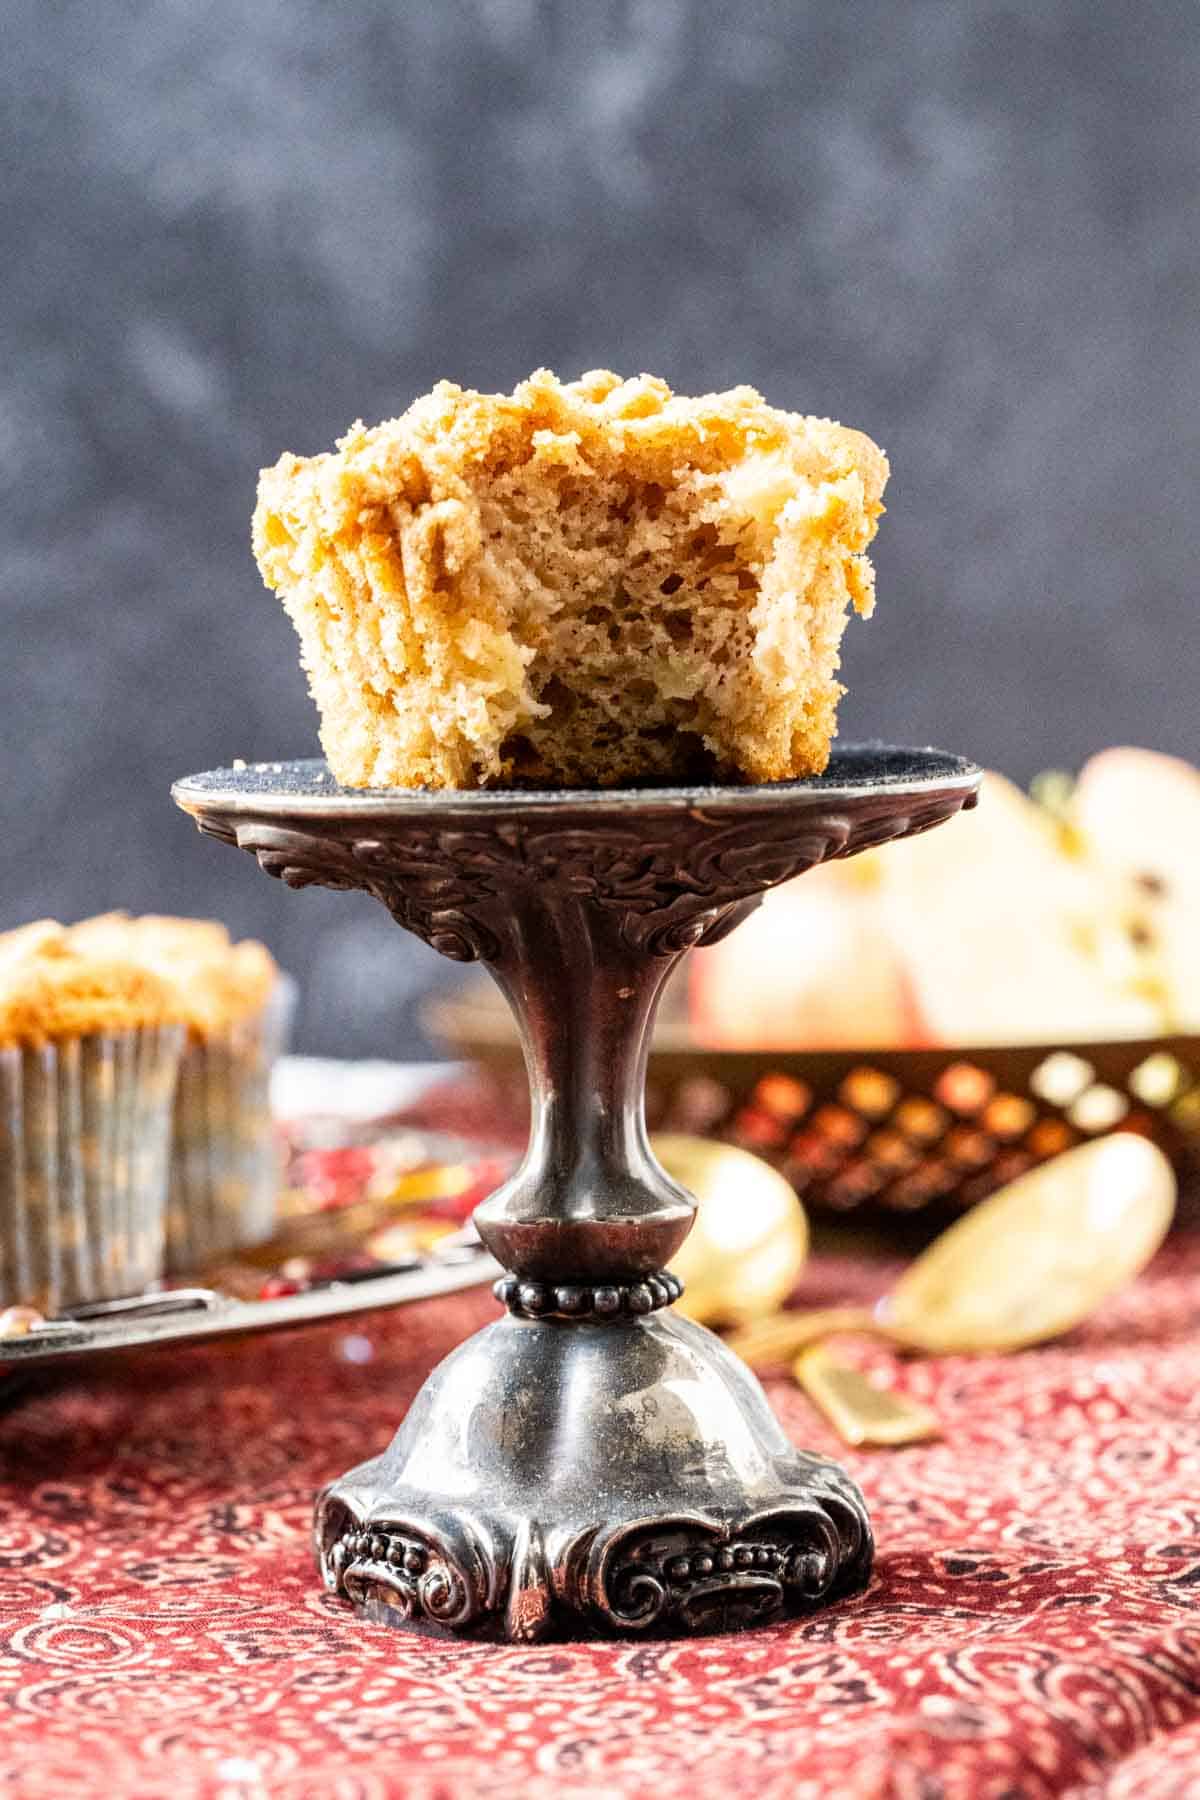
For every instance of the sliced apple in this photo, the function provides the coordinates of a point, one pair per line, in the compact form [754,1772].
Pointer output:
[810,969]
[995,929]
[1006,936]
[1138,814]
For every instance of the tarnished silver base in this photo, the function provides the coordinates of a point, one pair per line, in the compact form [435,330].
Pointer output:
[591,1462]
[559,1479]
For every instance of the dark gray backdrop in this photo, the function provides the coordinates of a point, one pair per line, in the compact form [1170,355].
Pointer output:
[232,227]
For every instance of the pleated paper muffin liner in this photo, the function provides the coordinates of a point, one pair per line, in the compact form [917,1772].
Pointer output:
[225,1168]
[85,1126]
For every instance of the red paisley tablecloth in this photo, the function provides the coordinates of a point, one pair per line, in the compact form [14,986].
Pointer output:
[1031,1629]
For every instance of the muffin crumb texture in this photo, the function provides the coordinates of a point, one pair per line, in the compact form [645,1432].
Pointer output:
[580,584]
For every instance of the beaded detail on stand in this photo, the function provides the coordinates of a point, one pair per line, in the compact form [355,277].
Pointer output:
[587,1301]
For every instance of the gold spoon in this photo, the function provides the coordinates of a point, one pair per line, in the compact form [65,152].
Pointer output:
[740,1262]
[1024,1266]
[743,1254]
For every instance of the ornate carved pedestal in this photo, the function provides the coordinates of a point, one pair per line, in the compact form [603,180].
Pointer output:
[590,1462]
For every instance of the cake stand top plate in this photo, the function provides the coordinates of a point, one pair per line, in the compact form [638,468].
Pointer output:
[857,773]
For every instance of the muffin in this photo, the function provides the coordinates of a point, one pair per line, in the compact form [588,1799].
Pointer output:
[579,584]
[89,1051]
[224,1171]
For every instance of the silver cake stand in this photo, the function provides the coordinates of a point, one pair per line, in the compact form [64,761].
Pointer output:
[590,1462]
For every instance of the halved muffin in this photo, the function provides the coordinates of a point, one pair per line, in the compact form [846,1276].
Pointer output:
[581,584]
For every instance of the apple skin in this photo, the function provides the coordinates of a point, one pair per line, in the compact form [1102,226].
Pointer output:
[810,969]
[1137,812]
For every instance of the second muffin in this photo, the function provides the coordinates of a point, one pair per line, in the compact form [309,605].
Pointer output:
[89,1048]
[224,1165]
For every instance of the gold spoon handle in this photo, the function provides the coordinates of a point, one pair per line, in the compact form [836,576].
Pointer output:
[782,1336]
[860,1412]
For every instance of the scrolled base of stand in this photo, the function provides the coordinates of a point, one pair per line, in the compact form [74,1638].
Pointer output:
[560,1479]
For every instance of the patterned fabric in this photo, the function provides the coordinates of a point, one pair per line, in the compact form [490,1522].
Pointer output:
[1032,1628]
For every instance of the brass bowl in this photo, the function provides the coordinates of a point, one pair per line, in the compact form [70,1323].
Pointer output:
[883,1131]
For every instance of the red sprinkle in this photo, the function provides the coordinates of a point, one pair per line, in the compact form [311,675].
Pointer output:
[278,1287]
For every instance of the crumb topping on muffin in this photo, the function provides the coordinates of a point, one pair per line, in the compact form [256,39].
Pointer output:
[582,583]
[214,981]
[52,988]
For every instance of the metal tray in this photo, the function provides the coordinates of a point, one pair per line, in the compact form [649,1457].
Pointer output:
[211,1307]
[196,1315]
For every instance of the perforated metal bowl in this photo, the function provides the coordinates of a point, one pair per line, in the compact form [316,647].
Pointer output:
[897,1131]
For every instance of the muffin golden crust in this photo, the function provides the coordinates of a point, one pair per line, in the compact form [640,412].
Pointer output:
[51,988]
[214,982]
[583,584]
[25,939]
